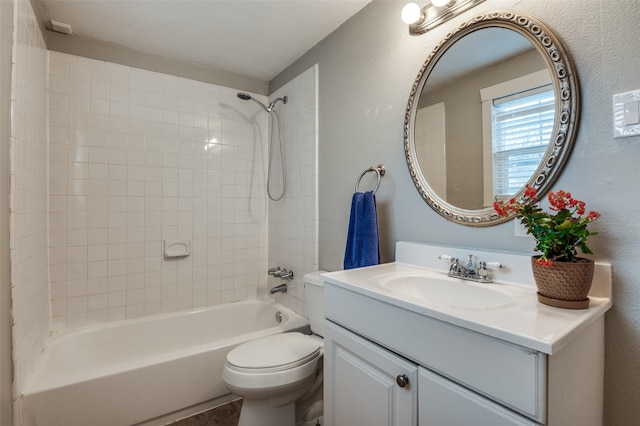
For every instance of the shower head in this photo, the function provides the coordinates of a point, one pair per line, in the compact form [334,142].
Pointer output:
[247,97]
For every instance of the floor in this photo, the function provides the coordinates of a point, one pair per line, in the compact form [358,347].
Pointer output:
[225,415]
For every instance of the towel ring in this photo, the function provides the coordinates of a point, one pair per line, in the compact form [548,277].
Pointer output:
[380,171]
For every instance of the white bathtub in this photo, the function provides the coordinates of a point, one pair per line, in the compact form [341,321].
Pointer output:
[133,371]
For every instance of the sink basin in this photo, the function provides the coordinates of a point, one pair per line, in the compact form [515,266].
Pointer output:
[443,291]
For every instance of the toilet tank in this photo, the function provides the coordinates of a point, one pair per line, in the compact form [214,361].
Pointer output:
[314,301]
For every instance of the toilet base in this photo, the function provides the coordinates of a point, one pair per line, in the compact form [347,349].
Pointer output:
[260,412]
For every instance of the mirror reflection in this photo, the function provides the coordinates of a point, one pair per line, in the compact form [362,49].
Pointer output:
[484,118]
[494,108]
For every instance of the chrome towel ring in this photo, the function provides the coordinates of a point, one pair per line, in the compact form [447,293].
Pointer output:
[380,171]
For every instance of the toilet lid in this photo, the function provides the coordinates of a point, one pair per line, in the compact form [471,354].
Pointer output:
[275,351]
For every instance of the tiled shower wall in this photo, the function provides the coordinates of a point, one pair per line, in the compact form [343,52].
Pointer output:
[28,197]
[136,158]
[293,221]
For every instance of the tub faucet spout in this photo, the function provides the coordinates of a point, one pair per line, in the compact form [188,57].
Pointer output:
[282,288]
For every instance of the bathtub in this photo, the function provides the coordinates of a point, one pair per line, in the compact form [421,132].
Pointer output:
[147,371]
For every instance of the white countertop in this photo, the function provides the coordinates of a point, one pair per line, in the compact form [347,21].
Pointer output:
[523,321]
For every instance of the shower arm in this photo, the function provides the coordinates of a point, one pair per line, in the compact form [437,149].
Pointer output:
[270,108]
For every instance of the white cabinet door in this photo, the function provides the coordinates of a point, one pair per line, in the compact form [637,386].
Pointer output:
[361,385]
[444,403]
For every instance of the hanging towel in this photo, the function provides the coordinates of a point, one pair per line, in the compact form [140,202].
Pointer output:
[363,247]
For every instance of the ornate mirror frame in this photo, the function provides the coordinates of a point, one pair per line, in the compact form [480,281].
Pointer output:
[566,87]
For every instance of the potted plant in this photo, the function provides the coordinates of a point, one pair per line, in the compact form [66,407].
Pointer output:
[563,278]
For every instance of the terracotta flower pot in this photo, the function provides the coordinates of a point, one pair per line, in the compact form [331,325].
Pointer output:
[564,284]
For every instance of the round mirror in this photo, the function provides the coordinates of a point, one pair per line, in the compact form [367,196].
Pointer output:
[494,108]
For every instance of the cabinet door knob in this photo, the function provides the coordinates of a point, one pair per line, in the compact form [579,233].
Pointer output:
[402,380]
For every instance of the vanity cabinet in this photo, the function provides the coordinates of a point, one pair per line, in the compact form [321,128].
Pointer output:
[369,384]
[455,376]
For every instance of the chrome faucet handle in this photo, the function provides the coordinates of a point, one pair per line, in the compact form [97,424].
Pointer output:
[483,272]
[455,265]
[273,271]
[286,275]
[283,273]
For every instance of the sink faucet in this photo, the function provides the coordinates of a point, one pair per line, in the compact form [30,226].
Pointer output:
[282,288]
[469,271]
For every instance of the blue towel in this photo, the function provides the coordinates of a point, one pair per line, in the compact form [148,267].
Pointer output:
[363,247]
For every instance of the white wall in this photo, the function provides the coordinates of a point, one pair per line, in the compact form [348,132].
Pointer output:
[135,158]
[6,363]
[139,157]
[293,221]
[28,157]
[367,68]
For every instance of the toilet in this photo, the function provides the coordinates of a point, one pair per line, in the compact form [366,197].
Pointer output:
[280,375]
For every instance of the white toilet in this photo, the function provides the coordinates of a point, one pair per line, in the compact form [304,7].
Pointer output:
[272,373]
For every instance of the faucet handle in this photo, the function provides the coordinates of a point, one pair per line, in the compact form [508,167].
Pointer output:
[494,265]
[274,271]
[446,258]
[482,271]
[454,262]
[284,274]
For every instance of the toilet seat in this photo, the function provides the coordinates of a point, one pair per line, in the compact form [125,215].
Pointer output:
[275,374]
[274,353]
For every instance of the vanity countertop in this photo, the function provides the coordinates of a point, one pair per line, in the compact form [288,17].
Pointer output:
[522,321]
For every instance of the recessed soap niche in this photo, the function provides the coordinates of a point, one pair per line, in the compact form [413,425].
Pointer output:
[176,248]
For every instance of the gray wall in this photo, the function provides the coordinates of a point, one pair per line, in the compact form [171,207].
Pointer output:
[366,69]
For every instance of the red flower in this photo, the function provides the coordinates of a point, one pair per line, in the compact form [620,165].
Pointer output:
[530,192]
[559,235]
[543,262]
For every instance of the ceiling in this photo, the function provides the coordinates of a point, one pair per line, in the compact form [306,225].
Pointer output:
[253,38]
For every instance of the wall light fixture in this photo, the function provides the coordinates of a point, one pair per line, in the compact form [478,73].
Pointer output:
[436,12]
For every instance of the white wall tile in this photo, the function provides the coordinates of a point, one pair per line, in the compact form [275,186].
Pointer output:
[130,169]
[28,193]
[293,220]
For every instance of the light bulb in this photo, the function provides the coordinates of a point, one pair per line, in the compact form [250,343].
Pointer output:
[411,13]
[440,3]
